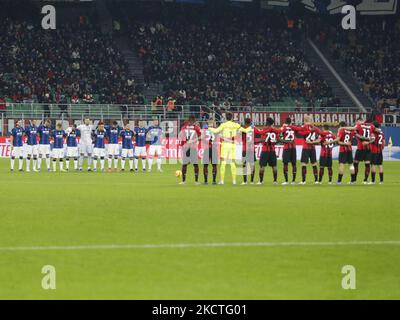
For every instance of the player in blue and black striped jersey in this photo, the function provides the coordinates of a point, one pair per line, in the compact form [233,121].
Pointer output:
[113,132]
[58,136]
[31,133]
[140,147]
[72,147]
[44,132]
[99,152]
[127,147]
[16,142]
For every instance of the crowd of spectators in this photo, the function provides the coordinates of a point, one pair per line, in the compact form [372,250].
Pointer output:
[72,64]
[372,53]
[230,57]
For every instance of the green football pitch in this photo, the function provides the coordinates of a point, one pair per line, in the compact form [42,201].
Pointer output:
[143,236]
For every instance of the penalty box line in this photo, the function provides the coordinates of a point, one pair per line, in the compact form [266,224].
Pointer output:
[202,245]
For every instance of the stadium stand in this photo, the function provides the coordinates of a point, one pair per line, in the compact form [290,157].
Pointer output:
[227,56]
[371,52]
[74,64]
[197,56]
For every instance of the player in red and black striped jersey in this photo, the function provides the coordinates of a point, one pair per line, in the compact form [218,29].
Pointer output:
[248,153]
[310,135]
[210,144]
[325,159]
[364,132]
[344,139]
[268,155]
[189,138]
[377,145]
[289,149]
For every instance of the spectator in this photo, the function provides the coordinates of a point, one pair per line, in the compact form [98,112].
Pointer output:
[84,60]
[212,57]
[3,105]
[158,105]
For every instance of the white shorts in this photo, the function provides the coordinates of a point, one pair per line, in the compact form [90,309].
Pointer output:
[99,152]
[86,149]
[140,152]
[113,149]
[155,150]
[32,150]
[72,152]
[58,153]
[127,153]
[44,149]
[17,152]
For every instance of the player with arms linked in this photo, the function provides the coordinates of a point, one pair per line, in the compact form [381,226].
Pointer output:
[99,151]
[310,135]
[72,147]
[210,144]
[16,142]
[140,145]
[44,132]
[127,147]
[248,152]
[86,143]
[113,133]
[155,133]
[377,145]
[344,139]
[58,136]
[364,133]
[325,160]
[31,133]
[189,139]
[288,132]
[229,133]
[268,154]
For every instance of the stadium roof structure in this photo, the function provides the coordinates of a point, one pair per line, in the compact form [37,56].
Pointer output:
[364,7]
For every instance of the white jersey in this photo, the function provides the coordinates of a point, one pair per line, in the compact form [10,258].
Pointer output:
[86,134]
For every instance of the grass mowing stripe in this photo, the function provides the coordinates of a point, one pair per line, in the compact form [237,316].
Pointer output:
[204,245]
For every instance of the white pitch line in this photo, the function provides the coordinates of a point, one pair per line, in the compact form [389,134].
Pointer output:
[202,245]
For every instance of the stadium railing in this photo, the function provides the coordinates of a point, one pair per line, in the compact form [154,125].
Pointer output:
[124,111]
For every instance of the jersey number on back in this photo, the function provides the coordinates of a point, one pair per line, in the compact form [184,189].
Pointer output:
[330,145]
[289,135]
[190,134]
[366,133]
[311,136]
[271,136]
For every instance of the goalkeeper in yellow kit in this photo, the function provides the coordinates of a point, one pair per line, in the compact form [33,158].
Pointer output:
[228,132]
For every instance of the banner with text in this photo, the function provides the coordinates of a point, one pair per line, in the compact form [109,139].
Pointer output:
[260,118]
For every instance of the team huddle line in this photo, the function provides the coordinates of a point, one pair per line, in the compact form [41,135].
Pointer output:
[92,143]
[370,145]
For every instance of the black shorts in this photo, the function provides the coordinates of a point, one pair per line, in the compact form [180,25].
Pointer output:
[363,155]
[249,156]
[189,155]
[377,159]
[308,154]
[325,162]
[210,155]
[346,157]
[268,158]
[289,156]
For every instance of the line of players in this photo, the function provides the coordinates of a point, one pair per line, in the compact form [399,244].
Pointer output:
[370,145]
[85,141]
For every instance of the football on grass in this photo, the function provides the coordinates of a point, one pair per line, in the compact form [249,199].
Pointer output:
[178,173]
